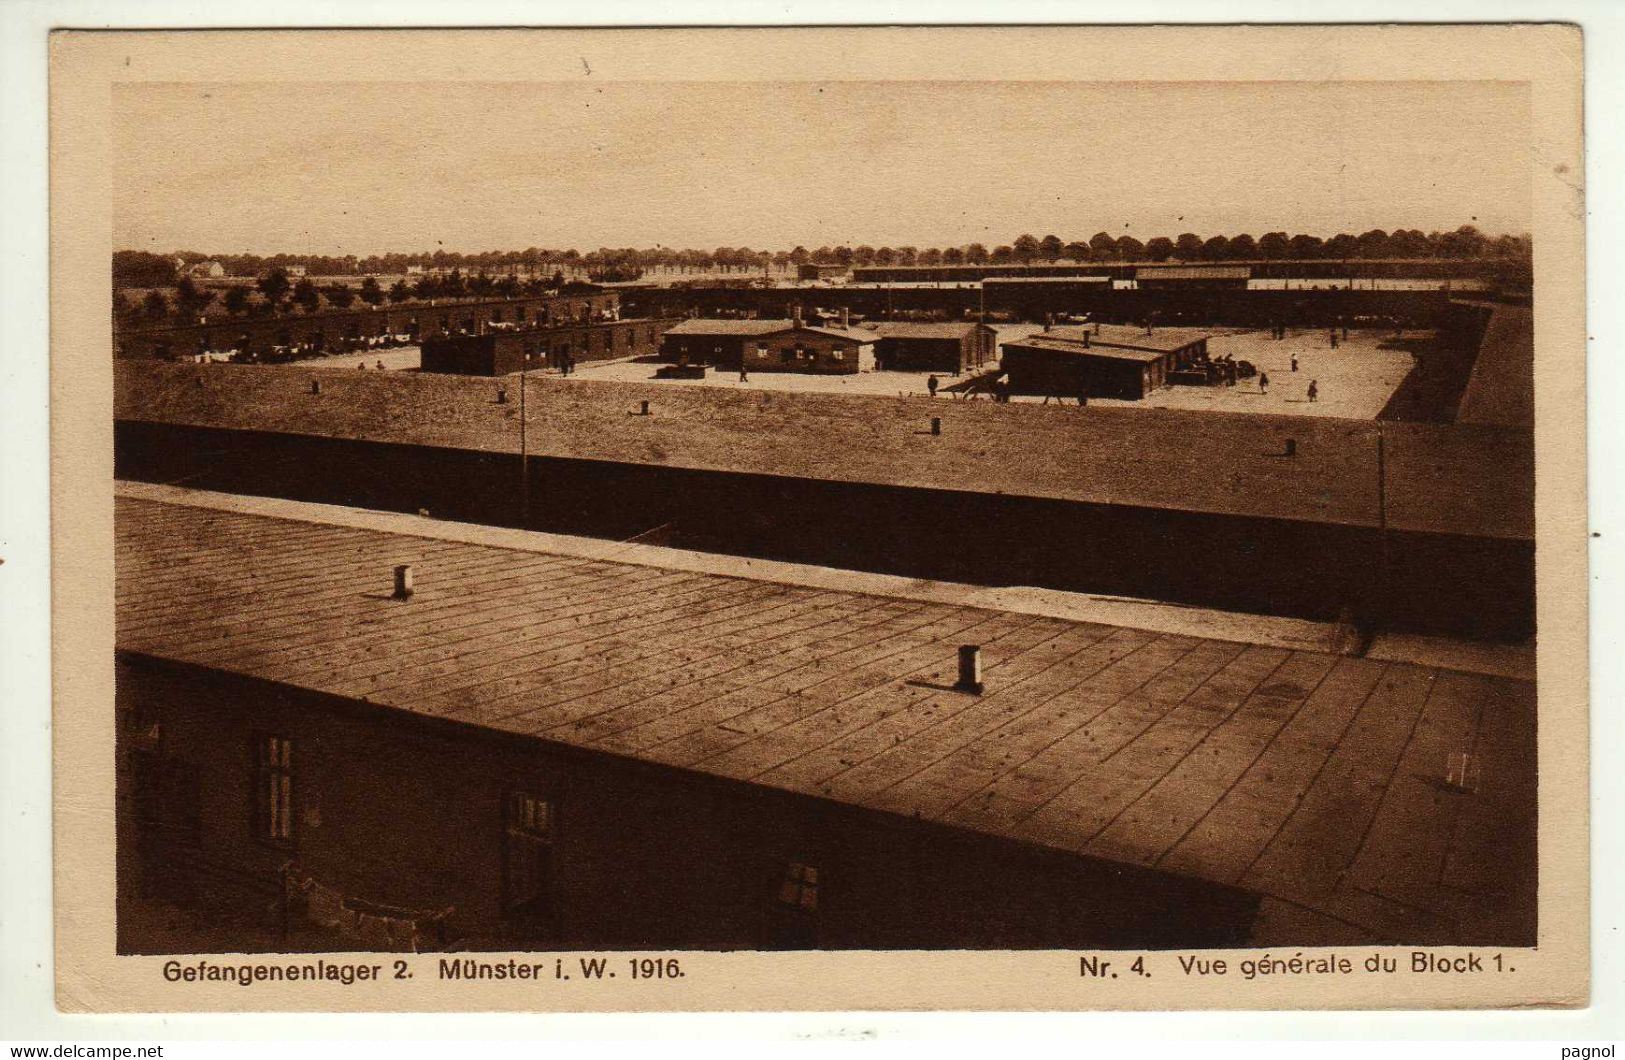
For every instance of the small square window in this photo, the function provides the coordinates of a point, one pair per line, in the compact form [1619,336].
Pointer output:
[799,887]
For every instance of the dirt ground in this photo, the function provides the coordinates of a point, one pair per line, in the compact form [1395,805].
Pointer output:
[398,359]
[1355,380]
[883,384]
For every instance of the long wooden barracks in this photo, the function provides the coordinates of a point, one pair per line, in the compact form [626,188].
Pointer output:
[499,352]
[257,337]
[1100,360]
[787,345]
[342,729]
[952,347]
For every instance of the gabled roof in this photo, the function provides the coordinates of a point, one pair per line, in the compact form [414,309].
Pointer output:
[1161,340]
[1193,272]
[752,329]
[746,328]
[1015,280]
[917,330]
[1078,349]
[858,335]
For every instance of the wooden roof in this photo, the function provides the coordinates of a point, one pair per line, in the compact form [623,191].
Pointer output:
[1075,348]
[927,329]
[701,326]
[1440,478]
[1315,780]
[1162,340]
[1193,272]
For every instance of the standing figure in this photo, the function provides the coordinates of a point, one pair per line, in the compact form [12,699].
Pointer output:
[931,384]
[1263,382]
[1294,362]
[1333,334]
[744,376]
[1314,390]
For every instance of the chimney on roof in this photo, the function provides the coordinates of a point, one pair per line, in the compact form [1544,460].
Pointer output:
[846,317]
[403,582]
[1049,321]
[970,669]
[795,315]
[1086,338]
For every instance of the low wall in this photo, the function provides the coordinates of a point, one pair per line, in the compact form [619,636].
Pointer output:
[1444,479]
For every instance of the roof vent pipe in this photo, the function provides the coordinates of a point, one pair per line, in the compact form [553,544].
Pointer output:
[970,669]
[403,582]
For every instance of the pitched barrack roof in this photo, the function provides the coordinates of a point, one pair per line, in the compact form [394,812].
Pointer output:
[1193,272]
[1160,340]
[857,335]
[1315,780]
[748,328]
[1440,478]
[921,330]
[763,328]
[991,281]
[1078,349]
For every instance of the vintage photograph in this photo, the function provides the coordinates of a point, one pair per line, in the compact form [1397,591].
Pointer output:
[808,514]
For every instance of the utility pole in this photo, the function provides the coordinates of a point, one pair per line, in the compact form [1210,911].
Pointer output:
[1382,527]
[524,452]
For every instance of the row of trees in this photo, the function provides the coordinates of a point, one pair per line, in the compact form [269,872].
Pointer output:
[1464,242]
[276,292]
[139,269]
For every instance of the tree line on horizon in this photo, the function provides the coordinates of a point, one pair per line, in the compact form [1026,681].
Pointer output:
[276,291]
[142,269]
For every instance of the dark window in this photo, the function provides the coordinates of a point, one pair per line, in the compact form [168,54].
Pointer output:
[799,888]
[527,856]
[792,922]
[273,789]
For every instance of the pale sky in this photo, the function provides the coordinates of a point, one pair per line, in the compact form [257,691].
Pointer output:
[369,168]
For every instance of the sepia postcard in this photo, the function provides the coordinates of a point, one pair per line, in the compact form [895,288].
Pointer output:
[1006,518]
